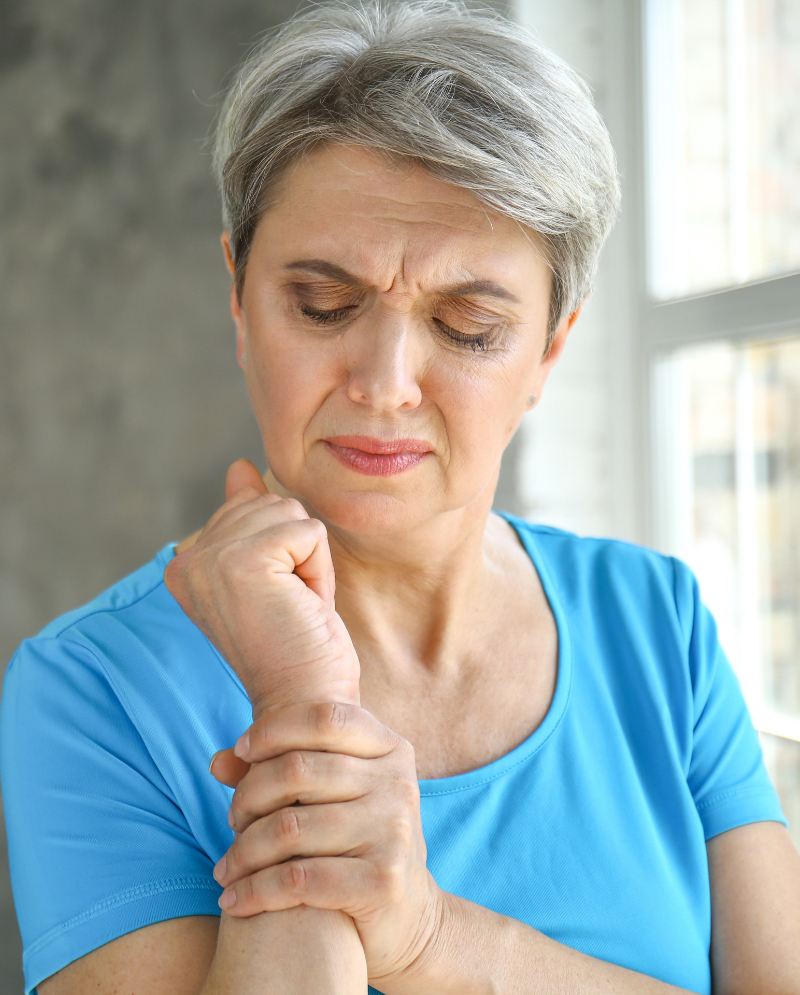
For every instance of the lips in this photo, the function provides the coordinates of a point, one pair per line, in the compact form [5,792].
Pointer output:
[377,457]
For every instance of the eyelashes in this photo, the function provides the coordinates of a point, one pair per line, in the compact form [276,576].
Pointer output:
[324,317]
[478,342]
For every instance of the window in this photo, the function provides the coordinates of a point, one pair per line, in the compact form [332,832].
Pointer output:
[723,331]
[724,145]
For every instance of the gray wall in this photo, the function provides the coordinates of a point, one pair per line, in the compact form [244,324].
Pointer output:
[121,403]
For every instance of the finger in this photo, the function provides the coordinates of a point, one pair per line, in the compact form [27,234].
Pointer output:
[241,474]
[351,884]
[298,831]
[300,777]
[316,569]
[328,726]
[298,546]
[247,501]
[226,767]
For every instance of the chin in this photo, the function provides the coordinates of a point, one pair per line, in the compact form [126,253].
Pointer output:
[368,512]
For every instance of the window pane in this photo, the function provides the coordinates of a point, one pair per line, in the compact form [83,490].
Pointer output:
[729,467]
[724,142]
[776,417]
[783,762]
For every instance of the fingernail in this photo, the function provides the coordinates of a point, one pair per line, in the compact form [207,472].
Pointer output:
[231,820]
[227,899]
[242,747]
[211,762]
[219,869]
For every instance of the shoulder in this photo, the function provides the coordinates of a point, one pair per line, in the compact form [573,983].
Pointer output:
[588,570]
[634,612]
[126,594]
[132,651]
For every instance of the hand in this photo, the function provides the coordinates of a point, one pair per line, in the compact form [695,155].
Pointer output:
[259,582]
[328,816]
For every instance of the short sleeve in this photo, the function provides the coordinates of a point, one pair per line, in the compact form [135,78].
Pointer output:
[726,776]
[97,843]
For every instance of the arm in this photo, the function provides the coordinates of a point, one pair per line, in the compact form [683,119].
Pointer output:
[359,847]
[755,947]
[257,560]
[260,559]
[755,903]
[198,954]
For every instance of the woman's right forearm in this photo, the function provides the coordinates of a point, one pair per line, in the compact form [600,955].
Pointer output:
[301,951]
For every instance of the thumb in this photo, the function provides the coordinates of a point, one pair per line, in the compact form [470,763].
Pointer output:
[226,767]
[241,474]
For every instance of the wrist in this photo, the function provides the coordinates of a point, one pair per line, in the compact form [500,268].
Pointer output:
[427,961]
[269,697]
[464,955]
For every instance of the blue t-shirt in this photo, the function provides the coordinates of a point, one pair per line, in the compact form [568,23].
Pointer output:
[592,830]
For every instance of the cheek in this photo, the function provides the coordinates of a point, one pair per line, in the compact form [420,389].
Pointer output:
[288,383]
[480,409]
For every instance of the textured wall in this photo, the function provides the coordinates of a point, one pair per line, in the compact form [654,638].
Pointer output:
[121,403]
[120,400]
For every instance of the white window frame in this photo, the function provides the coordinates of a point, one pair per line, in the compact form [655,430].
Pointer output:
[763,310]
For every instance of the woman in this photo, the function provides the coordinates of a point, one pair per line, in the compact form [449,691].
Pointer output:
[414,201]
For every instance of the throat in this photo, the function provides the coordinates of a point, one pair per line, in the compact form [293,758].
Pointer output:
[462,717]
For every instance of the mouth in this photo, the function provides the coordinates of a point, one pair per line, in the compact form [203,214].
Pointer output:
[378,457]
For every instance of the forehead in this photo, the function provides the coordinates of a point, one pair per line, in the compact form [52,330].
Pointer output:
[374,214]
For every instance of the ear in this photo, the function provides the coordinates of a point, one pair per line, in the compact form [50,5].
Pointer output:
[554,353]
[236,308]
[225,239]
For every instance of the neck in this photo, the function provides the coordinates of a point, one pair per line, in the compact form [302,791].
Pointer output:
[411,600]
[416,598]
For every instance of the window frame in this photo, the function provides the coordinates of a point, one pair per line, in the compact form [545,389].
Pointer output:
[762,310]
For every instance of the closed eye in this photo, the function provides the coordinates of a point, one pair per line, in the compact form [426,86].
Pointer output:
[327,317]
[479,342]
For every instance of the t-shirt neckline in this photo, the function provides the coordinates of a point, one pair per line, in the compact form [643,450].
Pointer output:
[537,739]
[528,747]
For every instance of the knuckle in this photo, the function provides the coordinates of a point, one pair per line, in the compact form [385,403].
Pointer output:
[408,792]
[390,881]
[290,823]
[296,770]
[294,876]
[331,717]
[405,753]
[317,527]
[401,830]
[234,855]
[241,803]
[293,510]
[245,891]
[228,560]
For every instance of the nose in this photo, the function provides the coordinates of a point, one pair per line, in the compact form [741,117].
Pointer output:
[386,363]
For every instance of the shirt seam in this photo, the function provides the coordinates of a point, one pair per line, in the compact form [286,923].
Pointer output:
[519,763]
[107,610]
[730,793]
[193,883]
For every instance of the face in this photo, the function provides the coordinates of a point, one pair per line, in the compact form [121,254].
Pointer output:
[392,330]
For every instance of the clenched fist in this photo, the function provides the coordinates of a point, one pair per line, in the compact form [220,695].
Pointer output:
[259,582]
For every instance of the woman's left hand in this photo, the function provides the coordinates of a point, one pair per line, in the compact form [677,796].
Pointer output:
[328,816]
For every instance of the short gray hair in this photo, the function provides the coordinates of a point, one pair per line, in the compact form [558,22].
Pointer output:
[469,96]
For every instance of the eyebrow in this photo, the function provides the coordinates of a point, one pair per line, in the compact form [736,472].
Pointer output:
[483,288]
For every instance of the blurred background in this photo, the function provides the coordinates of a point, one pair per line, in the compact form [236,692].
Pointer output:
[673,420]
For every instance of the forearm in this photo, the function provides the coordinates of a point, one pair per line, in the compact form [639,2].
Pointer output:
[301,951]
[477,952]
